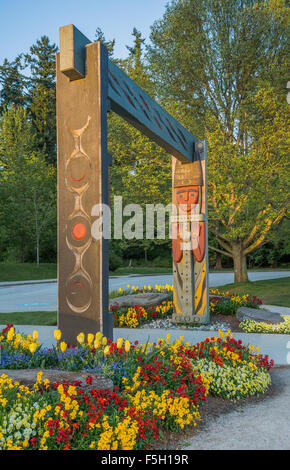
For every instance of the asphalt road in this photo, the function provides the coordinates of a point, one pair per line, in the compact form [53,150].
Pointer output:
[43,296]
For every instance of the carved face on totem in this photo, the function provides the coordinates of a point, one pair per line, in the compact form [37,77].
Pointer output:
[186,197]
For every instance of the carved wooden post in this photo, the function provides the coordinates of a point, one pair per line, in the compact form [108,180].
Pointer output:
[189,239]
[82,102]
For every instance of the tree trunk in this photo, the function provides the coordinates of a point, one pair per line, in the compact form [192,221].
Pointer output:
[21,251]
[218,264]
[37,250]
[240,263]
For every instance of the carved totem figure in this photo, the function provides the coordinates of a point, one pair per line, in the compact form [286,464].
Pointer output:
[189,241]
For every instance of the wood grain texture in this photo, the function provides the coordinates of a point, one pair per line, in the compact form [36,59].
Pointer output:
[82,183]
[189,244]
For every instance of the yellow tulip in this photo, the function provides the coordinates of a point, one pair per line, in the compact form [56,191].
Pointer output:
[119,343]
[107,350]
[10,334]
[32,348]
[17,339]
[97,343]
[57,335]
[127,345]
[63,346]
[81,338]
[35,335]
[90,338]
[104,341]
[99,335]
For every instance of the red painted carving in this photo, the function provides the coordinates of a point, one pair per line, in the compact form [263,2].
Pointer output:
[199,251]
[79,231]
[186,198]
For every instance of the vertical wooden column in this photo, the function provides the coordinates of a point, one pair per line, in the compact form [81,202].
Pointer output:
[190,244]
[83,262]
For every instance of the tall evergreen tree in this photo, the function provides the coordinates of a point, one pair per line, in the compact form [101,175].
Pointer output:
[99,36]
[13,84]
[41,61]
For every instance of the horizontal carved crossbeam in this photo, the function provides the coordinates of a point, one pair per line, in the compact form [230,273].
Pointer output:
[137,107]
[127,98]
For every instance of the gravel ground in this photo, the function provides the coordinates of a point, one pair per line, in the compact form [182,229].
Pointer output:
[217,322]
[260,425]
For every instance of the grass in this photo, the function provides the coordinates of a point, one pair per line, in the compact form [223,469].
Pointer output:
[271,291]
[29,318]
[10,272]
[27,271]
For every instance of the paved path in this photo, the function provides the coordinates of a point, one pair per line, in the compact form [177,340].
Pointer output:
[261,426]
[43,296]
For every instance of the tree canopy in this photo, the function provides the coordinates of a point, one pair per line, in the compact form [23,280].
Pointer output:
[224,66]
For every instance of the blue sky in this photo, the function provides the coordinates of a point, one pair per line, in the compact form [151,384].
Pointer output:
[22,22]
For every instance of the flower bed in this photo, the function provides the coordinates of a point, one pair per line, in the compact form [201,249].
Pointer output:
[225,303]
[221,303]
[234,371]
[157,387]
[251,326]
[133,317]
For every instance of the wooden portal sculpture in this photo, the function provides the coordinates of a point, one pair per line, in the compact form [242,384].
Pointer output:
[89,85]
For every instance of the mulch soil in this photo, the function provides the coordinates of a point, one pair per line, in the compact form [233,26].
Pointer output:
[230,319]
[233,322]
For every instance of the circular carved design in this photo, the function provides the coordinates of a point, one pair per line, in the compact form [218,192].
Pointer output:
[78,171]
[79,231]
[79,292]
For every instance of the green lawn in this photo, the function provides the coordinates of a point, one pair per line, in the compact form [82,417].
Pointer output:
[30,272]
[27,271]
[271,291]
[29,318]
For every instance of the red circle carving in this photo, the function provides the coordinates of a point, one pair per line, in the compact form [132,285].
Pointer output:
[79,231]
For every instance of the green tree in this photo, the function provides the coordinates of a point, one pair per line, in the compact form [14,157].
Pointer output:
[141,172]
[42,106]
[220,67]
[13,84]
[27,183]
[99,36]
